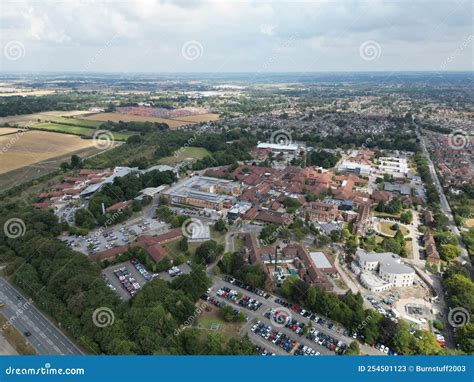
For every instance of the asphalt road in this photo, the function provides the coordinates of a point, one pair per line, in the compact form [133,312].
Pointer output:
[45,338]
[443,201]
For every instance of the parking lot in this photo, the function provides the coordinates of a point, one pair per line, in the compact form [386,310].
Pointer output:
[102,239]
[334,331]
[127,278]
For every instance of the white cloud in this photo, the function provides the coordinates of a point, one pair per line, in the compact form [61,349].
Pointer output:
[236,35]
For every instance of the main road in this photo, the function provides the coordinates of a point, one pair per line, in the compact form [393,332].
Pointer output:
[445,207]
[43,335]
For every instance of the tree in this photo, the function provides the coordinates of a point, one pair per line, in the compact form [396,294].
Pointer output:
[406,217]
[76,161]
[269,233]
[449,252]
[83,218]
[464,336]
[437,324]
[208,251]
[183,244]
[353,348]
[220,225]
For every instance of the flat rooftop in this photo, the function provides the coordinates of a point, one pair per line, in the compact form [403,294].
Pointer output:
[276,146]
[320,260]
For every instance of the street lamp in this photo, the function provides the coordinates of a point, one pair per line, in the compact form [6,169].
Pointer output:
[276,256]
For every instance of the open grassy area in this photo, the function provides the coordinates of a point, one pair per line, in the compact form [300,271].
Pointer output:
[211,316]
[219,237]
[76,122]
[75,130]
[15,338]
[238,244]
[386,228]
[189,152]
[386,215]
[67,129]
[409,248]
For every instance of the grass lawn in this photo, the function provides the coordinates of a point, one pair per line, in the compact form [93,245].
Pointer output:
[77,130]
[15,338]
[226,329]
[386,215]
[217,236]
[238,243]
[74,122]
[188,152]
[409,249]
[172,248]
[386,228]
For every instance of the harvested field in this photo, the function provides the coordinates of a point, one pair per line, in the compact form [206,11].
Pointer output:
[76,130]
[31,147]
[199,118]
[22,120]
[116,117]
[25,93]
[8,130]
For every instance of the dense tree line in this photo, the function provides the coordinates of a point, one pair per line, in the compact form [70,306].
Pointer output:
[460,294]
[323,158]
[69,288]
[17,105]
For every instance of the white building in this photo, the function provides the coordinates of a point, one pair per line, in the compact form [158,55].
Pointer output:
[393,165]
[387,268]
[276,147]
[355,168]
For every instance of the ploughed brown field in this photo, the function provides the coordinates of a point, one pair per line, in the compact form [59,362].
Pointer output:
[30,147]
[172,123]
[199,118]
[8,130]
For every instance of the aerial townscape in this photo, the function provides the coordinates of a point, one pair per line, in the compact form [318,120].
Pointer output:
[290,214]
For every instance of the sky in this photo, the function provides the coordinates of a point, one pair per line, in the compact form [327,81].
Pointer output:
[235,36]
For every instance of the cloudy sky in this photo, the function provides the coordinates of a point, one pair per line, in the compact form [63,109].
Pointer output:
[235,36]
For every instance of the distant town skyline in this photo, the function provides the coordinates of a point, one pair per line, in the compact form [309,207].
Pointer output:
[235,36]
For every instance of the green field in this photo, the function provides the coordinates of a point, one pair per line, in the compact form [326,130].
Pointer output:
[77,122]
[75,130]
[386,228]
[188,152]
[67,129]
